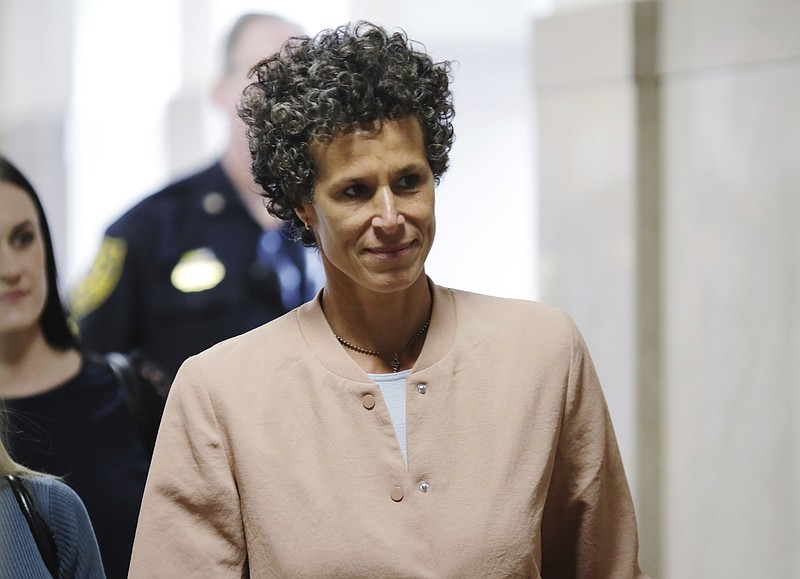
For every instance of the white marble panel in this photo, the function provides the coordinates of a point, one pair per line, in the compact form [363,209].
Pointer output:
[732,251]
[594,141]
[718,33]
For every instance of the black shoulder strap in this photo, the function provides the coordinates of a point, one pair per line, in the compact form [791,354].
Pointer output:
[39,529]
[128,379]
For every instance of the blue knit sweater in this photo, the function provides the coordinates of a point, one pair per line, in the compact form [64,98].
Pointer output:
[67,518]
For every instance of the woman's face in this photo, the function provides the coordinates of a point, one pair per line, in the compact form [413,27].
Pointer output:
[23,276]
[373,207]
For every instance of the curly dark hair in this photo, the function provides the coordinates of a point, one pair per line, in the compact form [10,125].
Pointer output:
[342,79]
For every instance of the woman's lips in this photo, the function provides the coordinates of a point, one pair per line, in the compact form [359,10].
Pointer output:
[13,296]
[390,250]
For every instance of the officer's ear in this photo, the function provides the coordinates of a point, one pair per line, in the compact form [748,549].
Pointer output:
[226,93]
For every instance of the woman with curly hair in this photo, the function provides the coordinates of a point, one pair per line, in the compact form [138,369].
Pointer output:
[392,427]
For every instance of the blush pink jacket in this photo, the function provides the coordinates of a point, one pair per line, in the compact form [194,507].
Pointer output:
[273,461]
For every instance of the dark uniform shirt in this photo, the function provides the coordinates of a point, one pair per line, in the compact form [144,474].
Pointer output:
[185,269]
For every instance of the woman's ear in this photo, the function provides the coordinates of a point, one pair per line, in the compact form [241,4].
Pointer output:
[304,212]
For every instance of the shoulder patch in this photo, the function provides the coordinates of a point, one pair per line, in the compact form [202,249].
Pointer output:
[103,278]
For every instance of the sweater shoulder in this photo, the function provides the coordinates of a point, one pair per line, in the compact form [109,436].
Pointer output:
[60,504]
[66,515]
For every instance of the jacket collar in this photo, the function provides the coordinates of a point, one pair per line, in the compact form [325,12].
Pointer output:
[321,340]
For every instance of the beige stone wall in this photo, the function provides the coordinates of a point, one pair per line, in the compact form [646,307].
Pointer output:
[669,139]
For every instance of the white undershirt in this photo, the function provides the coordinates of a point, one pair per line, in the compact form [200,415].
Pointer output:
[393,388]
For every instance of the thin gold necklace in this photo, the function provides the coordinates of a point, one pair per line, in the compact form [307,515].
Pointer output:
[395,363]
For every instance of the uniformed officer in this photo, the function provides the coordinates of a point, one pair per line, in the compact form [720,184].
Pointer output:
[202,260]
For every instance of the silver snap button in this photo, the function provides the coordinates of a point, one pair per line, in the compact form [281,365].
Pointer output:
[422,388]
[424,486]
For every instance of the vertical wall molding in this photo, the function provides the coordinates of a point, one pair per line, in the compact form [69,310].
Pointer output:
[599,105]
[648,245]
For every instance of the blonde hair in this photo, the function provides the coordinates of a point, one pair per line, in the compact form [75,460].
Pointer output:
[7,464]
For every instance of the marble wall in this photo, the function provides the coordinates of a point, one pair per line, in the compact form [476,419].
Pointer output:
[731,168]
[669,139]
[36,68]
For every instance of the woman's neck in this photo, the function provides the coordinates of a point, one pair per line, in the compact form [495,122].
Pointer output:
[30,366]
[383,323]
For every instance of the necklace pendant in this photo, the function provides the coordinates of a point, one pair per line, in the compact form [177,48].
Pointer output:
[396,362]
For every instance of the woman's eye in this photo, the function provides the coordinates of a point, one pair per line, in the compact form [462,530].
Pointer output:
[409,181]
[355,191]
[23,239]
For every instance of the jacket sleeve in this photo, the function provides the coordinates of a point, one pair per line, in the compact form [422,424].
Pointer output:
[104,302]
[190,522]
[588,525]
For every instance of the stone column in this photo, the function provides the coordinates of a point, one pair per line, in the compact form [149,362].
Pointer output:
[730,74]
[598,119]
[669,140]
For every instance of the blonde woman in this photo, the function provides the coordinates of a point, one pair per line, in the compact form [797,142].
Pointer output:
[44,527]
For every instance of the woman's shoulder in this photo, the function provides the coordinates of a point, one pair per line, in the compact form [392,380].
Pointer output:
[275,334]
[514,327]
[470,304]
[512,320]
[271,342]
[66,516]
[56,502]
[57,499]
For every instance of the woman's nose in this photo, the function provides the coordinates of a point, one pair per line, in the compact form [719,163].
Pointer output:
[10,269]
[387,216]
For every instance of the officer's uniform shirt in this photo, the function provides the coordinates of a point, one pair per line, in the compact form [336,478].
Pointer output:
[185,269]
